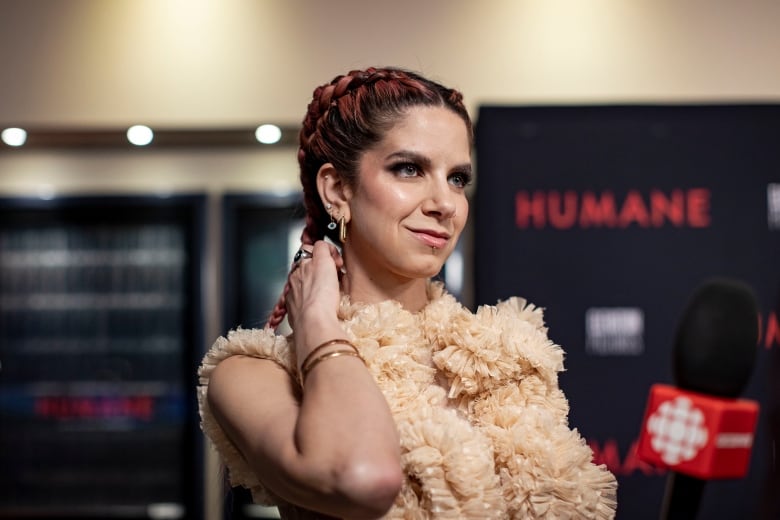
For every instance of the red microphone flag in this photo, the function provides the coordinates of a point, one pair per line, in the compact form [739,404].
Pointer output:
[696,434]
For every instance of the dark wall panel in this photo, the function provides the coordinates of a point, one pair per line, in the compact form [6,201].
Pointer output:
[100,332]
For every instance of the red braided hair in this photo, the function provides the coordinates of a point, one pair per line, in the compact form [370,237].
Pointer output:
[346,117]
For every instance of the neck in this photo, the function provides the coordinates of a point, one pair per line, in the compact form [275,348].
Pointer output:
[412,293]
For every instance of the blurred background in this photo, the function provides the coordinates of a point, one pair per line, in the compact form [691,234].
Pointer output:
[121,263]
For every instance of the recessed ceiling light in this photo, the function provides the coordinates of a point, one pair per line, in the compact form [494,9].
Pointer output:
[268,134]
[140,135]
[14,136]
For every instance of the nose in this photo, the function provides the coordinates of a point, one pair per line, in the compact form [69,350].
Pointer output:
[440,199]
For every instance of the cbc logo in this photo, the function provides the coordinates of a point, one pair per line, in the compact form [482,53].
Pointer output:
[677,430]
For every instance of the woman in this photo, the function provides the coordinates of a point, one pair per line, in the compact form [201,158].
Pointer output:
[390,399]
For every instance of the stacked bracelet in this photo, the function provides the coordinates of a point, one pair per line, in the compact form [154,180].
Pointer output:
[313,359]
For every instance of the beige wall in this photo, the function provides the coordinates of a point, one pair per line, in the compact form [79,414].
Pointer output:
[225,62]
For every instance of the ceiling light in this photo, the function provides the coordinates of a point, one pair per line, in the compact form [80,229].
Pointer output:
[268,134]
[140,135]
[14,136]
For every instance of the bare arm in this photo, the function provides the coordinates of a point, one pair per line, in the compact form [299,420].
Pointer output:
[337,451]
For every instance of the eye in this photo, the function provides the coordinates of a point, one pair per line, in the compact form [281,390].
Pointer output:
[406,169]
[460,179]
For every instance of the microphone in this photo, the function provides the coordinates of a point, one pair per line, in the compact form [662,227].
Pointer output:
[700,429]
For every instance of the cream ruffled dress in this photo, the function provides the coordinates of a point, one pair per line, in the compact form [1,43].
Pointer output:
[483,425]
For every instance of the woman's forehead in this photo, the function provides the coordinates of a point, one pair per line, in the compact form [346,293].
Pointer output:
[425,125]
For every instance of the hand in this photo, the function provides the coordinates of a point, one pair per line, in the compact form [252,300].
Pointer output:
[314,295]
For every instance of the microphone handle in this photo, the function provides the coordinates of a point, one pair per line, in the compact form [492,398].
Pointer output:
[682,497]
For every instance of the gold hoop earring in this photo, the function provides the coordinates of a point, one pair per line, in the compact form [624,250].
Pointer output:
[342,230]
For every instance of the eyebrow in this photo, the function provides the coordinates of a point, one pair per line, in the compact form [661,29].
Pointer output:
[421,159]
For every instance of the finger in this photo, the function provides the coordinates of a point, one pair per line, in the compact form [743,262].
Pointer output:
[335,253]
[320,247]
[327,249]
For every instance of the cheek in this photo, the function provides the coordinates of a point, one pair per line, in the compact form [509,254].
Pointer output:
[397,196]
[391,198]
[462,213]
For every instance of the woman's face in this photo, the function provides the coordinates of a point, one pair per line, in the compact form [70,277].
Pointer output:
[409,204]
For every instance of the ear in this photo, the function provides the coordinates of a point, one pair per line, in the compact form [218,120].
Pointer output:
[334,191]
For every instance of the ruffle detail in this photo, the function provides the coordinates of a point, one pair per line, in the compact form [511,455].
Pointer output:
[449,469]
[498,344]
[395,356]
[483,424]
[546,469]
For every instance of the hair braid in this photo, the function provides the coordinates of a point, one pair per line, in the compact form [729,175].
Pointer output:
[345,118]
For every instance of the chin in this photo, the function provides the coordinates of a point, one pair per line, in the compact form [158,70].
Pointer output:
[417,265]
[430,270]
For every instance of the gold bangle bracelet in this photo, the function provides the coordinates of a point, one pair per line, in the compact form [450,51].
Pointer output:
[330,355]
[326,344]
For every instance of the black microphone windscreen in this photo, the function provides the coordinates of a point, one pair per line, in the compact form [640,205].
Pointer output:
[717,339]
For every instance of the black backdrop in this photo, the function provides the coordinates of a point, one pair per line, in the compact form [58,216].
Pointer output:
[609,217]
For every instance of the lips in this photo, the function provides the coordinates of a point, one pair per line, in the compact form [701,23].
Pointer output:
[432,238]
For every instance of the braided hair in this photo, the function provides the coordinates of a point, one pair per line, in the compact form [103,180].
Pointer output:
[345,118]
